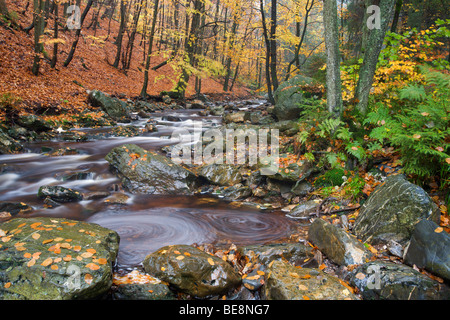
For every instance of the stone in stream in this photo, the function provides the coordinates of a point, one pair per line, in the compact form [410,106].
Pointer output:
[192,270]
[221,174]
[386,280]
[429,248]
[49,258]
[142,171]
[392,210]
[115,108]
[8,145]
[59,194]
[295,253]
[286,282]
[143,291]
[14,208]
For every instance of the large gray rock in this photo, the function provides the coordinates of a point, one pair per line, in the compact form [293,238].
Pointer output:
[286,282]
[192,271]
[295,253]
[33,122]
[221,174]
[386,280]
[145,172]
[143,291]
[337,244]
[8,145]
[430,249]
[392,210]
[288,96]
[55,259]
[304,210]
[115,108]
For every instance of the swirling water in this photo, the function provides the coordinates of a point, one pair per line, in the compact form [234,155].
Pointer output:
[146,222]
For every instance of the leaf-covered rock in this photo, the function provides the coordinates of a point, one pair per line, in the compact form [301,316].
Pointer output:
[55,259]
[191,270]
[59,194]
[286,282]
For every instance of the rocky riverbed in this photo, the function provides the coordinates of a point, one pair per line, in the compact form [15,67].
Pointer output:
[105,212]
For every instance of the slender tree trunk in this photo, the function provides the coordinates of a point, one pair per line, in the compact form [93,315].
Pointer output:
[268,55]
[123,22]
[38,18]
[55,36]
[77,34]
[273,45]
[333,78]
[150,46]
[398,10]
[373,45]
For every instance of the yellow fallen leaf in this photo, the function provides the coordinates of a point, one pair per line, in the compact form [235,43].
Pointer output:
[439,230]
[180,257]
[47,262]
[302,287]
[36,236]
[31,263]
[211,261]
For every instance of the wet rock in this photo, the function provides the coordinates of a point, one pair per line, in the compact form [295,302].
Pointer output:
[33,123]
[74,176]
[236,192]
[117,198]
[146,172]
[234,117]
[304,210]
[8,145]
[294,172]
[288,96]
[253,281]
[221,174]
[302,188]
[336,244]
[143,291]
[115,108]
[38,259]
[95,195]
[392,210]
[14,208]
[286,282]
[296,254]
[386,280]
[59,194]
[192,271]
[429,248]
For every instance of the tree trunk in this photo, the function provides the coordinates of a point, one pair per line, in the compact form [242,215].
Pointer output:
[77,34]
[268,55]
[123,22]
[273,45]
[373,45]
[150,46]
[398,10]
[38,18]
[333,78]
[55,36]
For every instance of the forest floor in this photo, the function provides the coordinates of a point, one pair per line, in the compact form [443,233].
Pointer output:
[63,89]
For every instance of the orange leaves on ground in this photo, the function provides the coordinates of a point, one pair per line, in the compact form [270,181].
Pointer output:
[7,285]
[47,262]
[88,278]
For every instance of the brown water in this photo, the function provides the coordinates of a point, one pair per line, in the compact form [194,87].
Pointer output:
[146,222]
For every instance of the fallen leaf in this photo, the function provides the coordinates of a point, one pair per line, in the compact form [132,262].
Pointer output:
[7,285]
[92,266]
[54,267]
[211,261]
[36,236]
[439,230]
[31,263]
[360,276]
[302,287]
[180,257]
[88,278]
[47,262]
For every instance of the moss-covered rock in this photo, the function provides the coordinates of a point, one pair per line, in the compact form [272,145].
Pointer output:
[55,259]
[146,172]
[191,270]
[286,282]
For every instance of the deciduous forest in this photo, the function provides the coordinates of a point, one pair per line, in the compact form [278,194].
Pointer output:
[224,150]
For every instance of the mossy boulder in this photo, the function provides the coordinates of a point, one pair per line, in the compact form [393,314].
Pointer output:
[392,211]
[142,171]
[221,174]
[115,108]
[8,145]
[55,259]
[286,282]
[385,280]
[59,194]
[192,271]
[288,96]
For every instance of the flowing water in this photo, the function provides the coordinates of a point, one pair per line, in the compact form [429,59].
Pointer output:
[146,222]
